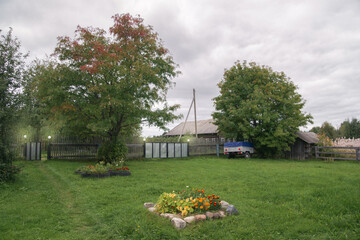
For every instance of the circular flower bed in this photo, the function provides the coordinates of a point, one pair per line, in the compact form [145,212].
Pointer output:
[101,170]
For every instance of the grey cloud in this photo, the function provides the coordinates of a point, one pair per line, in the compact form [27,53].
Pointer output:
[315,43]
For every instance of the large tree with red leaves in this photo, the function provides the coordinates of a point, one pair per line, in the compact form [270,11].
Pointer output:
[108,83]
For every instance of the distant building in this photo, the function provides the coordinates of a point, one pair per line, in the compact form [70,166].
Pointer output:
[303,147]
[205,129]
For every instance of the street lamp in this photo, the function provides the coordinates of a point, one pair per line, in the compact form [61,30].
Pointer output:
[25,136]
[49,149]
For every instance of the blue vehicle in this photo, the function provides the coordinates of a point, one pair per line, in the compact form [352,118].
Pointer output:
[244,149]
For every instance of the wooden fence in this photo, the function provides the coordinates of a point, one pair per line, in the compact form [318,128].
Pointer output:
[87,149]
[206,149]
[72,150]
[340,153]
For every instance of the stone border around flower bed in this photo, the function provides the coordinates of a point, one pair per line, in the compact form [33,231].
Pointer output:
[108,174]
[180,222]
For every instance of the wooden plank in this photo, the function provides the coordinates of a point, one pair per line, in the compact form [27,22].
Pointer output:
[337,153]
[135,145]
[74,144]
[338,147]
[336,158]
[74,156]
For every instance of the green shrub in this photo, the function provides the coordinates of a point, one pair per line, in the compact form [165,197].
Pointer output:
[112,152]
[167,203]
[7,172]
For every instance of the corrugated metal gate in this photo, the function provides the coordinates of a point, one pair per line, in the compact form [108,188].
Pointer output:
[166,150]
[32,151]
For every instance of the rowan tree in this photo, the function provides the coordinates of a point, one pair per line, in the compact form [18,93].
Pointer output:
[108,83]
[259,105]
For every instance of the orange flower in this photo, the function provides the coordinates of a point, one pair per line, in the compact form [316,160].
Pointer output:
[219,203]
[200,200]
[201,207]
[196,204]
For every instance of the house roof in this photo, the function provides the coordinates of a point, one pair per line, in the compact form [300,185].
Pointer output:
[208,127]
[308,137]
[203,127]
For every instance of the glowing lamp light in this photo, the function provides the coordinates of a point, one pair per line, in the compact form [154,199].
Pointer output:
[49,137]
[188,140]
[25,136]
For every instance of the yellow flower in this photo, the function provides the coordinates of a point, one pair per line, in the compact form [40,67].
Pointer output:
[187,200]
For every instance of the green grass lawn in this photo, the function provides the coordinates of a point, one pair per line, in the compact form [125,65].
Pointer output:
[277,199]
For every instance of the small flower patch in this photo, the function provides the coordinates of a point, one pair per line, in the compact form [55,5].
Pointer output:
[187,202]
[190,205]
[101,170]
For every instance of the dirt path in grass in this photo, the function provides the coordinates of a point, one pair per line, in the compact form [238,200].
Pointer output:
[80,221]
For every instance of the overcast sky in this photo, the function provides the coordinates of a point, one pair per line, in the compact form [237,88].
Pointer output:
[315,43]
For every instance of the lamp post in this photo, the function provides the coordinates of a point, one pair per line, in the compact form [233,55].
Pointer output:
[49,148]
[25,150]
[144,139]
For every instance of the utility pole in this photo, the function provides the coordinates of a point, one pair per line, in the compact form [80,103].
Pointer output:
[193,101]
[196,134]
[182,130]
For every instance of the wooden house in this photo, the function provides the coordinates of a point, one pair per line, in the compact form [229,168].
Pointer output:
[303,147]
[205,129]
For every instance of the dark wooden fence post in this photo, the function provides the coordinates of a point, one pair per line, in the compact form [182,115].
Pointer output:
[316,152]
[49,151]
[357,154]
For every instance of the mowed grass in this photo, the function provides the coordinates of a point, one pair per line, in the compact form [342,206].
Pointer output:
[277,199]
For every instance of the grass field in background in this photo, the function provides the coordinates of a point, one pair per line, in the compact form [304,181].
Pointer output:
[277,199]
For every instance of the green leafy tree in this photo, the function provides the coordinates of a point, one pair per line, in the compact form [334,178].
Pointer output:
[350,129]
[11,70]
[315,130]
[33,116]
[328,130]
[109,83]
[259,105]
